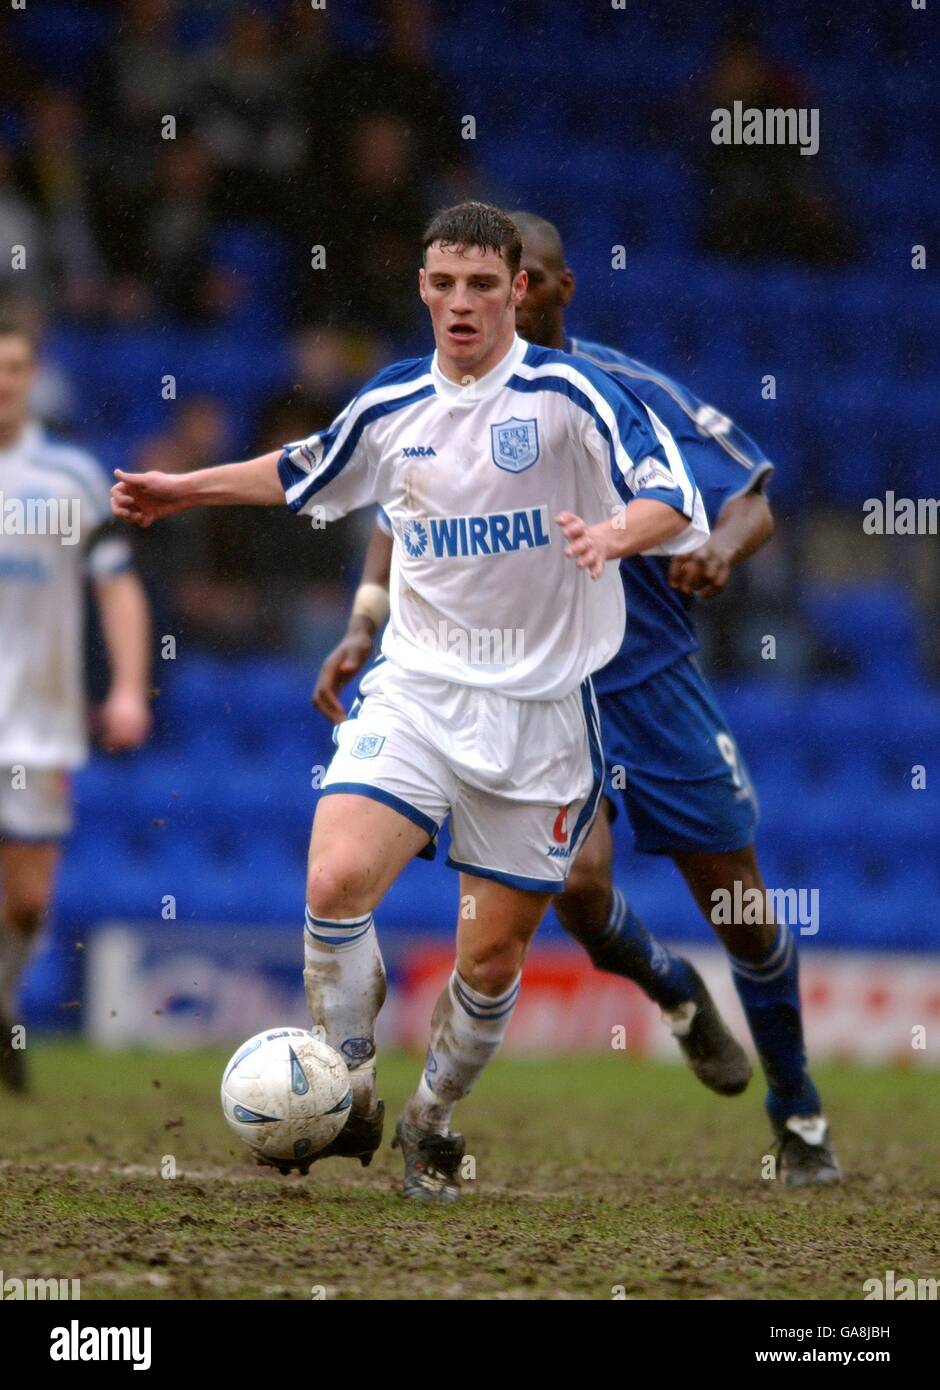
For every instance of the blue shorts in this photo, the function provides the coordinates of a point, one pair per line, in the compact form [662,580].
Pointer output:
[671,756]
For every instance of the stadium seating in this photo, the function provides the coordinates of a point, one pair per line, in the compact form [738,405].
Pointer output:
[221,802]
[823,333]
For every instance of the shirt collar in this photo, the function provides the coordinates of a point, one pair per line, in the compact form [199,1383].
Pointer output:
[494,380]
[29,436]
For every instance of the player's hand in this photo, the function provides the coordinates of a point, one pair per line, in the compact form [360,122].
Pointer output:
[125,721]
[705,571]
[343,662]
[143,498]
[584,545]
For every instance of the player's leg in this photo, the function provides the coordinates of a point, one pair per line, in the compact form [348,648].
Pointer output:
[495,926]
[385,795]
[598,915]
[358,847]
[765,968]
[514,826]
[27,875]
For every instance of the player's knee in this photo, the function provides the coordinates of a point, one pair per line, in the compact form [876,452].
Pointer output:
[491,971]
[589,877]
[337,889]
[738,867]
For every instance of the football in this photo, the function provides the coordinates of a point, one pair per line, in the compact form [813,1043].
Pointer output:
[286,1094]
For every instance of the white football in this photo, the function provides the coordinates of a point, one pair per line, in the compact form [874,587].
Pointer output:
[286,1093]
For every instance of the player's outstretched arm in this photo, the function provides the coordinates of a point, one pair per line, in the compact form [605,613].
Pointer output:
[369,611]
[143,498]
[640,526]
[744,525]
[125,622]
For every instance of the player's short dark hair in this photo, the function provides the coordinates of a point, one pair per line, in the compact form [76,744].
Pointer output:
[476,224]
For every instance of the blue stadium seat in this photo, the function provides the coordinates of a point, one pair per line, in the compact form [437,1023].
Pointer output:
[874,624]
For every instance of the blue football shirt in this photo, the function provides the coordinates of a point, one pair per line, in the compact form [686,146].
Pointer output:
[725,463]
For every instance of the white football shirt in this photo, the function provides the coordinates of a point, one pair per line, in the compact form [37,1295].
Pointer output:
[471,478]
[53,498]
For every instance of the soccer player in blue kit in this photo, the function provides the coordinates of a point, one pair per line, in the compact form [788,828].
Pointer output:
[670,754]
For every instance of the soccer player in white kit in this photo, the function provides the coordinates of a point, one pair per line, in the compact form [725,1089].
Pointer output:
[487,457]
[55,530]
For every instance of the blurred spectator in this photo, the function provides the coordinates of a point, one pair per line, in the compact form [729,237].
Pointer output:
[247,113]
[371,230]
[147,76]
[765,200]
[174,237]
[197,438]
[327,366]
[20,225]
[203,567]
[384,149]
[53,175]
[402,80]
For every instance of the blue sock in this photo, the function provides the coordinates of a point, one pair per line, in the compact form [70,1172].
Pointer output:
[626,948]
[769,991]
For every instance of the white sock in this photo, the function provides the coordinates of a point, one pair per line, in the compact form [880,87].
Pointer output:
[466,1030]
[344,980]
[15,952]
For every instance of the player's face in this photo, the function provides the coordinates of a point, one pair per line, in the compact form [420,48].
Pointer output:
[540,318]
[472,300]
[17,370]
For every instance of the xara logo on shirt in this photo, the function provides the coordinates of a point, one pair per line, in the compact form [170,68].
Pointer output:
[497,533]
[418,451]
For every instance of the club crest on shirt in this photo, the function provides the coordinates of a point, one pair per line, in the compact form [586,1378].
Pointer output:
[367,745]
[515,444]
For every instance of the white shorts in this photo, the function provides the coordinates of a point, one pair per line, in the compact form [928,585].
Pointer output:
[520,779]
[35,804]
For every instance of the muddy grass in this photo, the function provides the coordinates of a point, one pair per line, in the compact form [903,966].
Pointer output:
[593,1177]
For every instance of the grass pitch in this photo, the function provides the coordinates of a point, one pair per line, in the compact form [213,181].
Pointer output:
[591,1174]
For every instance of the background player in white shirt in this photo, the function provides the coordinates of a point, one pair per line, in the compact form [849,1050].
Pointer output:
[473,453]
[55,529]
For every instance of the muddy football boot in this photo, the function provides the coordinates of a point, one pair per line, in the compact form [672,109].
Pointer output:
[432,1163]
[714,1054]
[359,1138]
[804,1156]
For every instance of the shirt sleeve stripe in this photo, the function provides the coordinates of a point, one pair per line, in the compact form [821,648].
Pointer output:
[735,443]
[676,462]
[582,392]
[303,474]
